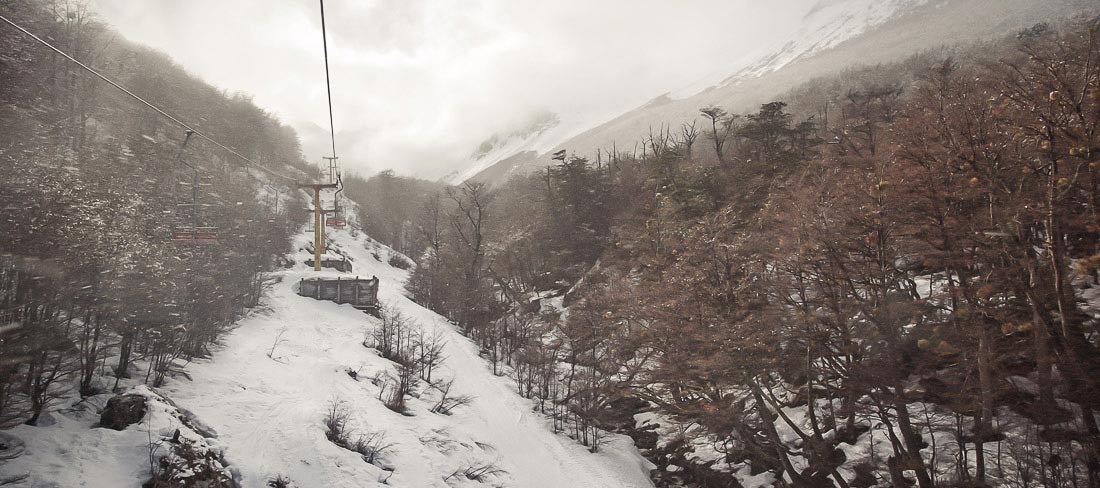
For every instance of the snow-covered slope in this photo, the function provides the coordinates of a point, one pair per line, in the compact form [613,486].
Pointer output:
[833,35]
[269,412]
[65,451]
[827,24]
[539,134]
[260,401]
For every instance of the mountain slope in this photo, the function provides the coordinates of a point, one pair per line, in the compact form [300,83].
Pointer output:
[836,35]
[269,413]
[827,24]
[265,414]
[540,133]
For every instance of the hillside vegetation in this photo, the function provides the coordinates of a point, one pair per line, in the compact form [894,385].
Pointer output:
[887,277]
[867,38]
[89,200]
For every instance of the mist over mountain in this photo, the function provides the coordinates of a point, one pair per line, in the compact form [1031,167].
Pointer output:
[533,137]
[834,36]
[814,244]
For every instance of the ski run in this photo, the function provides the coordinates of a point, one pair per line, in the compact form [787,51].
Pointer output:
[266,414]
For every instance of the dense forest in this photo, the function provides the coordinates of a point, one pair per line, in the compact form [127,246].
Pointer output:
[886,277]
[401,197]
[95,186]
[889,277]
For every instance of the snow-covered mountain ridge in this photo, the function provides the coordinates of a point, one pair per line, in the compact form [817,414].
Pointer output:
[834,36]
[827,24]
[534,136]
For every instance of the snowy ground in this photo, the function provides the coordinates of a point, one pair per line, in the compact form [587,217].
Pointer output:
[267,412]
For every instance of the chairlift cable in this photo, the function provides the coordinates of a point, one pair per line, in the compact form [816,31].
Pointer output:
[328,81]
[335,175]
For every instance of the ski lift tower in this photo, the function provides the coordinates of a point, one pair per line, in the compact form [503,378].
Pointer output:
[318,220]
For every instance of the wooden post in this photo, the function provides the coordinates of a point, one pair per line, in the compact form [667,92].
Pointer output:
[317,235]
[321,221]
[318,222]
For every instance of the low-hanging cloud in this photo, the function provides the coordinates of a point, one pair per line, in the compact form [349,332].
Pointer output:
[417,84]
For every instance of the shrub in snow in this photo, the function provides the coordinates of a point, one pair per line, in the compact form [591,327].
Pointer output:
[336,421]
[371,446]
[448,402]
[400,385]
[480,472]
[280,481]
[398,261]
[394,336]
[278,340]
[397,340]
[191,463]
[181,453]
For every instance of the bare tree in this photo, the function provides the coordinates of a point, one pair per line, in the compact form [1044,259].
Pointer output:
[429,353]
[688,134]
[468,222]
[658,143]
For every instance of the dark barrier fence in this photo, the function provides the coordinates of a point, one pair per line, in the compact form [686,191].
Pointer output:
[360,293]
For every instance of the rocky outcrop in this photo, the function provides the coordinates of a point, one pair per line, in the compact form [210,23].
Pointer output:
[123,411]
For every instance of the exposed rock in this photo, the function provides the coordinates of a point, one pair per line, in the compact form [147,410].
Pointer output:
[122,411]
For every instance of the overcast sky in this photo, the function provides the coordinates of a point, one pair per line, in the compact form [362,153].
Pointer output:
[417,84]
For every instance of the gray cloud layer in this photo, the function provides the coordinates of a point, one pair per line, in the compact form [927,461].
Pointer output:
[418,83]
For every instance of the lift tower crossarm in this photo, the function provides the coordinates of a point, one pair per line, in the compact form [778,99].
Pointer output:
[318,213]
